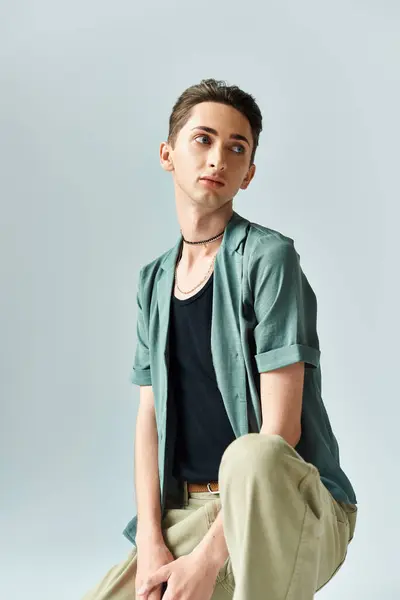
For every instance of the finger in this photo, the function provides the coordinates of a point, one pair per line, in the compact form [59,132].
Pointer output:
[168,594]
[158,577]
[152,594]
[155,594]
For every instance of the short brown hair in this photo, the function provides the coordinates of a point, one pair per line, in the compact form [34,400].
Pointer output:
[212,90]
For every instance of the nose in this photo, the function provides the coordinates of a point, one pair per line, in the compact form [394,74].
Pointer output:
[216,159]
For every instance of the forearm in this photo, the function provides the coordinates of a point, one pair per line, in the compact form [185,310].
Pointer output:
[213,544]
[147,481]
[291,437]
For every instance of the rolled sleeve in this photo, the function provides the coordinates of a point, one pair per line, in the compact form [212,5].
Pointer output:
[285,307]
[140,377]
[281,357]
[141,372]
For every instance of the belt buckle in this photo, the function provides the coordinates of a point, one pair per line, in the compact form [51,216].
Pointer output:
[210,490]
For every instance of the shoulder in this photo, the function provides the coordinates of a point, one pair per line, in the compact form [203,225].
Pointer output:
[269,246]
[150,272]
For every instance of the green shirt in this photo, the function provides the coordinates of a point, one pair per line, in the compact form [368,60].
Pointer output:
[264,316]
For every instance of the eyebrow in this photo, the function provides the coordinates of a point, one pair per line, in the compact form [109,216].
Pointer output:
[233,136]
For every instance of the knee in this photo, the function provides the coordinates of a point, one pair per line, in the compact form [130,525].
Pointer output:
[253,452]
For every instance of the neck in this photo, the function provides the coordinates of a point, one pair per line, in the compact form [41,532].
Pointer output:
[196,227]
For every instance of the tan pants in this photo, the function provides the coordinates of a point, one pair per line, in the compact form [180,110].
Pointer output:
[286,535]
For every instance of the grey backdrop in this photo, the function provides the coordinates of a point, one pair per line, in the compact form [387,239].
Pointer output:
[86,92]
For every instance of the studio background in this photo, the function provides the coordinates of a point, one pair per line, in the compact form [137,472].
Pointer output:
[86,89]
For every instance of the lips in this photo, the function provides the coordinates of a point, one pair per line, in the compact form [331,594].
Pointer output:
[213,180]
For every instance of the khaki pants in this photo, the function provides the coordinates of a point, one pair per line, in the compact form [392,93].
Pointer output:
[286,535]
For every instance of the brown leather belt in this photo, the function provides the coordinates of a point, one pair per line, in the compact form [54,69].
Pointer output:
[211,486]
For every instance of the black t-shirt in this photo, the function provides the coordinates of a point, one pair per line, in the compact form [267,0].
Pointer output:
[203,428]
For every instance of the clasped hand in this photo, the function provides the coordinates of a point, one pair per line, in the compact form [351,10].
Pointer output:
[189,577]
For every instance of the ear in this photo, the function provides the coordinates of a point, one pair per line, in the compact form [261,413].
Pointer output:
[166,157]
[249,176]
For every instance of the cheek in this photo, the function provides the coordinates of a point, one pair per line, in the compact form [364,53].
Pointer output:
[190,157]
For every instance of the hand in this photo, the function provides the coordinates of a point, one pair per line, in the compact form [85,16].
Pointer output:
[151,555]
[190,577]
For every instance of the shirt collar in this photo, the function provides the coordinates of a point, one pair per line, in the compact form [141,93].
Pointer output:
[234,233]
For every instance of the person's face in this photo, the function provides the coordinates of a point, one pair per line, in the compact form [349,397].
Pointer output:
[200,152]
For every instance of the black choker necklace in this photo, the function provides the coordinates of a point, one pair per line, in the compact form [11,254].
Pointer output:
[204,241]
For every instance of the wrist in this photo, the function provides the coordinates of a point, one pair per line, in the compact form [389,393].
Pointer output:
[212,553]
[149,533]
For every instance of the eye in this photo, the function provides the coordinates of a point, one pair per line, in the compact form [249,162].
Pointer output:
[202,136]
[242,149]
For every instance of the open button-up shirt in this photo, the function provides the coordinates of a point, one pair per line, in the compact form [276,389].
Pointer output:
[264,316]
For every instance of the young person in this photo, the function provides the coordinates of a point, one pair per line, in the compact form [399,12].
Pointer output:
[239,488]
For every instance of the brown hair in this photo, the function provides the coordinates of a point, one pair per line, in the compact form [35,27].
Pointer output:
[212,90]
